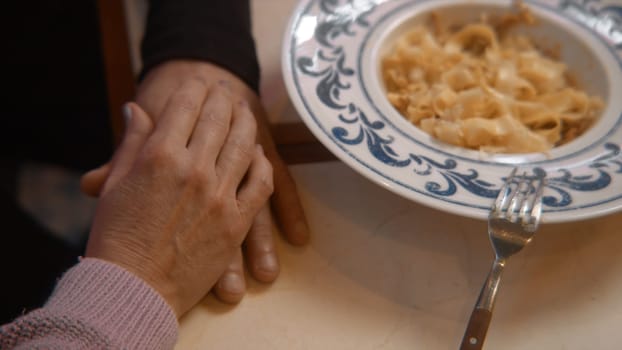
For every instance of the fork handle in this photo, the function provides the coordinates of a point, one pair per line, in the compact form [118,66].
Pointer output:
[476,330]
[477,327]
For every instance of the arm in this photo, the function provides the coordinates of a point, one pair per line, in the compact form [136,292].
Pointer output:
[96,305]
[175,208]
[218,32]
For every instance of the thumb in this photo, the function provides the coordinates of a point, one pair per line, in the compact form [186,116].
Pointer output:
[138,128]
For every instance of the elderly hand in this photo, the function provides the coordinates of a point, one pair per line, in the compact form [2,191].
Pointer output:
[181,196]
[261,258]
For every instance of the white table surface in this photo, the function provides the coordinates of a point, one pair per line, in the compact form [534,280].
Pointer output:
[382,272]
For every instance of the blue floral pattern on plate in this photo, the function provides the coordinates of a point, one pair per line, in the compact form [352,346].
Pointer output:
[322,73]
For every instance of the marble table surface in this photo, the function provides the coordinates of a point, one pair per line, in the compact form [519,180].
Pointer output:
[382,272]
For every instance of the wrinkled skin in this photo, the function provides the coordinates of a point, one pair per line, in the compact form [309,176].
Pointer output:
[259,248]
[180,196]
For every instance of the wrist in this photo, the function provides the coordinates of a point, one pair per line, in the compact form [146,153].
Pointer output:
[140,266]
[209,72]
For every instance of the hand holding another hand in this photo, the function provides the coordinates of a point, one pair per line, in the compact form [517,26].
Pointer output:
[181,196]
[259,247]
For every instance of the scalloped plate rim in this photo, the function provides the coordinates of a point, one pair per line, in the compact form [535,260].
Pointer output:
[611,204]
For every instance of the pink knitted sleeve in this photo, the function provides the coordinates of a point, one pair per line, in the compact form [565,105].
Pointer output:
[96,305]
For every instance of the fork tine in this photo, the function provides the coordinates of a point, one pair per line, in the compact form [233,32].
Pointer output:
[532,208]
[536,212]
[518,198]
[504,193]
[525,210]
[530,201]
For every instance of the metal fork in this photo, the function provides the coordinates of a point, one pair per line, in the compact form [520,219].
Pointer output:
[512,223]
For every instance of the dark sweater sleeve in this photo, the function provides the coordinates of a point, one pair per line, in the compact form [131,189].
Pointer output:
[218,31]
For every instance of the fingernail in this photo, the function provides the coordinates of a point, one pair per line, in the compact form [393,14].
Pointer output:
[232,283]
[268,263]
[127,113]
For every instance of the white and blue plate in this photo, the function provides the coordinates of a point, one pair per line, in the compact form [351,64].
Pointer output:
[331,57]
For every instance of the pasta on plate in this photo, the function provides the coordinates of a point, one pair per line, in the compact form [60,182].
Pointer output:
[480,87]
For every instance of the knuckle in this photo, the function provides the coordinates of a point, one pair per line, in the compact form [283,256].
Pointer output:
[242,149]
[160,157]
[248,121]
[267,185]
[198,178]
[232,235]
[245,211]
[199,80]
[264,227]
[266,178]
[234,227]
[185,102]
[216,204]
[218,121]
[252,125]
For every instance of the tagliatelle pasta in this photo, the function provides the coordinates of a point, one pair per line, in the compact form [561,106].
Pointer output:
[480,88]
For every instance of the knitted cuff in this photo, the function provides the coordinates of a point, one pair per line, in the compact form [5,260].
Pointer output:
[116,303]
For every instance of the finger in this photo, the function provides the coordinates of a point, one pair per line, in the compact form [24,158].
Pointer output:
[286,204]
[285,201]
[261,256]
[231,286]
[93,181]
[255,191]
[137,131]
[180,114]
[237,152]
[210,131]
